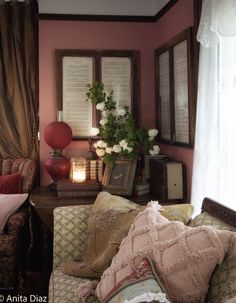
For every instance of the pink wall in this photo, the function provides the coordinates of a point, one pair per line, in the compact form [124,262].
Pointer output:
[90,35]
[173,22]
[144,37]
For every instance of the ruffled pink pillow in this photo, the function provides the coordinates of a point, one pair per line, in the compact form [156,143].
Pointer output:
[184,257]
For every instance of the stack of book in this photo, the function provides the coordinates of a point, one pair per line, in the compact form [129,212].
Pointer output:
[69,189]
[141,189]
[96,170]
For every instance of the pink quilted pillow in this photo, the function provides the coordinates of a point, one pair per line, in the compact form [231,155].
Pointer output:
[184,257]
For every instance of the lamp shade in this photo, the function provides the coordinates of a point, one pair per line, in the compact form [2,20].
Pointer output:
[58,135]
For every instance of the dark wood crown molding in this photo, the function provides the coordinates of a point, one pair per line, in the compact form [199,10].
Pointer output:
[109,18]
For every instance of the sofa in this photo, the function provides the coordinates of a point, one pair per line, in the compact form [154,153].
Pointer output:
[70,237]
[13,237]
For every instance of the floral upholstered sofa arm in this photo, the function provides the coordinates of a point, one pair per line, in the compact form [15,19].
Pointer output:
[70,233]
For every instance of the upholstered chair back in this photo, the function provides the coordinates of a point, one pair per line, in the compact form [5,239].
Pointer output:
[27,168]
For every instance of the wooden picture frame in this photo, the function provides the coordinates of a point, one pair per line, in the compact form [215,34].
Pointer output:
[121,76]
[76,68]
[118,179]
[175,102]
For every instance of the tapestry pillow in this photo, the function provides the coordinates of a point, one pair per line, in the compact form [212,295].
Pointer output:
[184,257]
[142,285]
[108,224]
[222,285]
[206,219]
[9,204]
[178,212]
[10,184]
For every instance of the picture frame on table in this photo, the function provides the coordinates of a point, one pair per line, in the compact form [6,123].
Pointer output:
[119,178]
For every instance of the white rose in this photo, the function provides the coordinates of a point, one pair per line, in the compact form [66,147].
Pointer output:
[120,112]
[100,144]
[151,152]
[150,138]
[152,132]
[156,148]
[129,149]
[123,143]
[100,106]
[100,152]
[109,150]
[105,113]
[94,131]
[103,122]
[117,148]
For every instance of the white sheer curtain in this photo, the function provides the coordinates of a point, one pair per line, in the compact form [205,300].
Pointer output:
[214,166]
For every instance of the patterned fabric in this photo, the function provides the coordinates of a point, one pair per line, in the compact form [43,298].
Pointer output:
[222,286]
[184,257]
[108,224]
[62,288]
[143,283]
[178,212]
[70,233]
[11,244]
[27,168]
[8,241]
[206,219]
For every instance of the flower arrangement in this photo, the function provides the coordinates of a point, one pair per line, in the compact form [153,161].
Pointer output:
[119,134]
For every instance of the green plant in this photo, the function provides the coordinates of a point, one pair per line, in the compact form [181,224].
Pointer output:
[119,134]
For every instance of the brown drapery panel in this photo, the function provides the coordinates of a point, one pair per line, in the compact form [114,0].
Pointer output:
[18,79]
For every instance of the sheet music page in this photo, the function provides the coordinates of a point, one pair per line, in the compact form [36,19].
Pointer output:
[181,92]
[77,73]
[116,77]
[164,90]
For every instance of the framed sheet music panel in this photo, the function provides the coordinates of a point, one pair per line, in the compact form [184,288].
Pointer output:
[175,106]
[75,69]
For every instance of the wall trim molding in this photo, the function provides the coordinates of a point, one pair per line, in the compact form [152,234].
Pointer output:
[108,18]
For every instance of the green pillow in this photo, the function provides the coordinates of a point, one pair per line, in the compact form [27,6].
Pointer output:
[178,212]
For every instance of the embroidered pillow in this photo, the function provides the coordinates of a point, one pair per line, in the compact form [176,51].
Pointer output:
[142,285]
[178,212]
[9,205]
[10,184]
[206,219]
[184,257]
[108,224]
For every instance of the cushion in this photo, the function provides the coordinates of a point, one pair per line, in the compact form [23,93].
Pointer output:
[142,285]
[222,285]
[9,205]
[10,184]
[206,219]
[184,257]
[108,224]
[178,212]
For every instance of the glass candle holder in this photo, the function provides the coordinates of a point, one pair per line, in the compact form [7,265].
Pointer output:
[78,170]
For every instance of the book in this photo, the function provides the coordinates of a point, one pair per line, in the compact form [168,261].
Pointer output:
[67,185]
[141,186]
[77,193]
[141,192]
